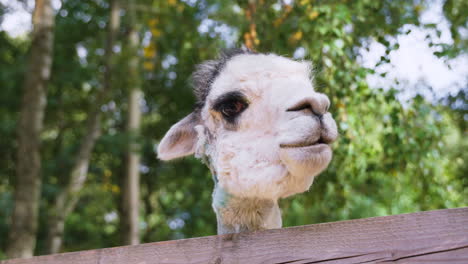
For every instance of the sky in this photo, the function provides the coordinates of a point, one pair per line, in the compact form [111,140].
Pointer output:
[412,65]
[414,62]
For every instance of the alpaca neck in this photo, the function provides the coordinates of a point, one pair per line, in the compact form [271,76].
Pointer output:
[238,214]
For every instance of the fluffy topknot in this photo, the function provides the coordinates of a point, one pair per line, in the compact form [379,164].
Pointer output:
[206,72]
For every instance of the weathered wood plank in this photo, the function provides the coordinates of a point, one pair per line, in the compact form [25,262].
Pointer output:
[436,236]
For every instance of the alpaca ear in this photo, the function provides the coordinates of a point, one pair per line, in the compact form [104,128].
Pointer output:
[180,140]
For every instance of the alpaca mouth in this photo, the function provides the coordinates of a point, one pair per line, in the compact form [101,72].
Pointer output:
[304,144]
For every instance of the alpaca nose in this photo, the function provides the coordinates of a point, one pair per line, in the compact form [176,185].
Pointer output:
[317,104]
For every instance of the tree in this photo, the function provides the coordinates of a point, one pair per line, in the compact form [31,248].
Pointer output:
[130,184]
[22,236]
[66,200]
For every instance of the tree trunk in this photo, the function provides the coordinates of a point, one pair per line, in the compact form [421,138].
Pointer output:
[130,199]
[129,220]
[22,236]
[68,197]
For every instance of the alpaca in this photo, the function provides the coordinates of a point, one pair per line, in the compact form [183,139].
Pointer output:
[260,128]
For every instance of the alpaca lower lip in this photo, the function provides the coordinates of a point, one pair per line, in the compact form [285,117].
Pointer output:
[302,144]
[310,148]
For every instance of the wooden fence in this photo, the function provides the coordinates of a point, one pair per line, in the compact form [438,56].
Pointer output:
[427,237]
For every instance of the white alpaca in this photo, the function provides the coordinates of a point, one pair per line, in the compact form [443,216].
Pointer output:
[261,129]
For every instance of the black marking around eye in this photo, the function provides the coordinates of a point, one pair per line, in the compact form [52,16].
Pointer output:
[227,97]
[227,101]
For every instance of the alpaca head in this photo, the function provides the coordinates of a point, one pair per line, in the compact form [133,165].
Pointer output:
[258,123]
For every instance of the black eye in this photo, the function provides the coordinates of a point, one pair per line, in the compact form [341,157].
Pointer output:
[232,108]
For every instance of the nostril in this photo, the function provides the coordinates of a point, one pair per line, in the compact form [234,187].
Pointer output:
[315,104]
[306,105]
[299,107]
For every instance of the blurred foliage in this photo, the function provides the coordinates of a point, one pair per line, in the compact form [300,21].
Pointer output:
[392,157]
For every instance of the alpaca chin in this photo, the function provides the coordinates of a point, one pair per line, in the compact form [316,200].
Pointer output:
[304,164]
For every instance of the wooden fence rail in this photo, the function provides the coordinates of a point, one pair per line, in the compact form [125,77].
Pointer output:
[427,237]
